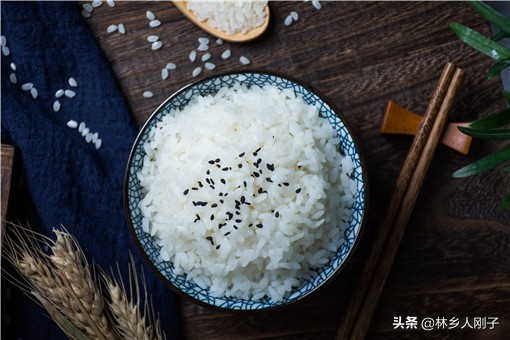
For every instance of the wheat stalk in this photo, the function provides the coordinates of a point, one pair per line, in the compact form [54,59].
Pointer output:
[126,311]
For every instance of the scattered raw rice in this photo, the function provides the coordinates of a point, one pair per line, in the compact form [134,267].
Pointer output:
[316,4]
[156,45]
[203,47]
[209,66]
[112,28]
[85,131]
[164,73]
[149,15]
[226,54]
[98,143]
[203,41]
[59,93]
[96,3]
[122,29]
[206,57]
[95,136]
[72,124]
[154,23]
[6,51]
[152,38]
[294,15]
[88,137]
[3,41]
[147,94]
[219,41]
[88,7]
[81,127]
[280,233]
[85,14]
[56,106]
[27,86]
[69,93]
[110,3]
[288,20]
[13,66]
[13,78]
[196,71]
[34,93]
[73,82]
[230,16]
[171,66]
[244,60]
[193,56]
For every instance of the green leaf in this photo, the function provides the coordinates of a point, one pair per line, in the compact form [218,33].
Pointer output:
[506,96]
[495,134]
[491,15]
[505,203]
[480,42]
[500,35]
[492,121]
[488,162]
[498,67]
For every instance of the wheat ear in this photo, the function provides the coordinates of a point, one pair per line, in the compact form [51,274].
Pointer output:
[131,323]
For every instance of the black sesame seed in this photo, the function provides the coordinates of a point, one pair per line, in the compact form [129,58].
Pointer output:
[211,161]
[298,190]
[214,205]
[256,152]
[260,190]
[235,227]
[186,191]
[223,181]
[279,185]
[208,180]
[230,215]
[237,202]
[241,154]
[247,203]
[212,181]
[272,211]
[218,166]
[200,184]
[194,188]
[249,225]
[227,233]
[260,171]
[260,225]
[244,183]
[256,174]
[209,238]
[208,172]
[220,226]
[243,199]
[238,213]
[269,180]
[299,167]
[224,169]
[218,246]
[201,203]
[277,214]
[259,160]
[196,219]
[286,184]
[270,167]
[217,160]
[220,194]
[238,221]
[222,201]
[226,194]
[212,217]
[212,187]
[239,165]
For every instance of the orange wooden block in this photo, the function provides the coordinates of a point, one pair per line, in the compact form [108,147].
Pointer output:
[398,120]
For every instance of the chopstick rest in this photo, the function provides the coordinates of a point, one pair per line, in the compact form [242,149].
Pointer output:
[398,120]
[358,314]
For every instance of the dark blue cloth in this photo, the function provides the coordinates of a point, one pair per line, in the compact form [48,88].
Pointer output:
[68,182]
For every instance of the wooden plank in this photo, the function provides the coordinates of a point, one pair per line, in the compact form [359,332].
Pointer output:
[454,256]
[7,157]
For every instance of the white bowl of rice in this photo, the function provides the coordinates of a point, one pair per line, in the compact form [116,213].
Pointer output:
[246,191]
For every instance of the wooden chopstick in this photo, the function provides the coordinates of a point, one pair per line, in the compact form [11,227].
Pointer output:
[359,313]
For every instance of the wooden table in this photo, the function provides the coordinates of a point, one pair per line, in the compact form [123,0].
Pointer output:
[454,260]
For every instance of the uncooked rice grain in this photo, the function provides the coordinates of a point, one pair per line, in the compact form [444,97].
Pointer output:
[206,57]
[12,66]
[72,124]
[69,93]
[289,218]
[110,3]
[193,56]
[56,106]
[226,54]
[152,38]
[150,15]
[13,78]
[156,45]
[27,86]
[59,93]
[112,28]
[147,94]
[196,71]
[122,29]
[244,60]
[33,92]
[154,23]
[209,66]
[171,66]
[73,82]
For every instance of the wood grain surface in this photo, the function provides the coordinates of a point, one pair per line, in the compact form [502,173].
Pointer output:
[7,160]
[454,259]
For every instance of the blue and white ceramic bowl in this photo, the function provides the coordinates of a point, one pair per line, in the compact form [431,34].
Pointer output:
[133,192]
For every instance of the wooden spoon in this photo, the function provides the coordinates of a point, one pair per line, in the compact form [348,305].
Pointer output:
[237,37]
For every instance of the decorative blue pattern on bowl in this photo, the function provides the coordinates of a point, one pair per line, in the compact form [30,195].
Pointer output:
[133,193]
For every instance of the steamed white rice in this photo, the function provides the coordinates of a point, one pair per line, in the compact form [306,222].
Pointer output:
[245,191]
